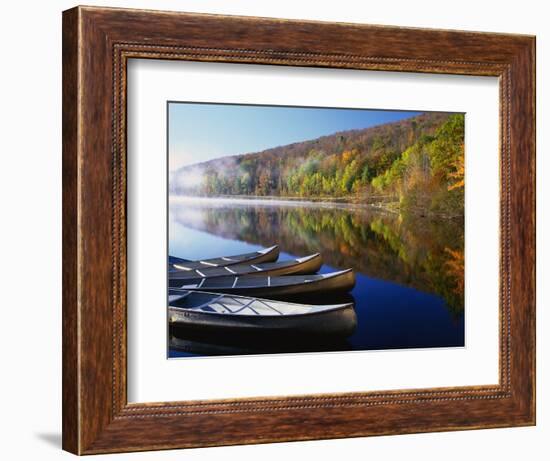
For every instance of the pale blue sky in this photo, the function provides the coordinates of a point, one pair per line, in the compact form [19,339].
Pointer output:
[200,132]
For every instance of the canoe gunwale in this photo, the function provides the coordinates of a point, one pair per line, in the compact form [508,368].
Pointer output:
[334,307]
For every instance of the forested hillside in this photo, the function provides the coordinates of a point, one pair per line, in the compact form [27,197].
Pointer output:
[415,165]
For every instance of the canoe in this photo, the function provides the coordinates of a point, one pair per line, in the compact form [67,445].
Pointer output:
[262,256]
[306,265]
[267,286]
[222,312]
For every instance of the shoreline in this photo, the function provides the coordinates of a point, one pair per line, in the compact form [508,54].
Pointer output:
[290,201]
[389,207]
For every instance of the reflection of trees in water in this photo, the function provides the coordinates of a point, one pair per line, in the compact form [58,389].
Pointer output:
[423,253]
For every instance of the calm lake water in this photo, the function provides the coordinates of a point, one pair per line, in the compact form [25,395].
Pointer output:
[409,270]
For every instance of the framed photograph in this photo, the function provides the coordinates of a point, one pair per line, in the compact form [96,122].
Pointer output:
[280,230]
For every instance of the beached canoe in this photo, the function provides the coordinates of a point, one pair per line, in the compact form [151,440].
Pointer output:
[262,256]
[306,265]
[222,312]
[267,286]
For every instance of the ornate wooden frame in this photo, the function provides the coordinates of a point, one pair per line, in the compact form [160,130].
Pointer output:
[97,43]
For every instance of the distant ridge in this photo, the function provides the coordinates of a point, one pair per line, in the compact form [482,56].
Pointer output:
[354,138]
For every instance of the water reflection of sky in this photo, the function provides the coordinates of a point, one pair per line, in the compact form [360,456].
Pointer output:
[390,315]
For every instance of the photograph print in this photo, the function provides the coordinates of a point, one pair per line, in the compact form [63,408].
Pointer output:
[313,229]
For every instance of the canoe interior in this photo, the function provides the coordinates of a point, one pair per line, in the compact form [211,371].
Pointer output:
[240,305]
